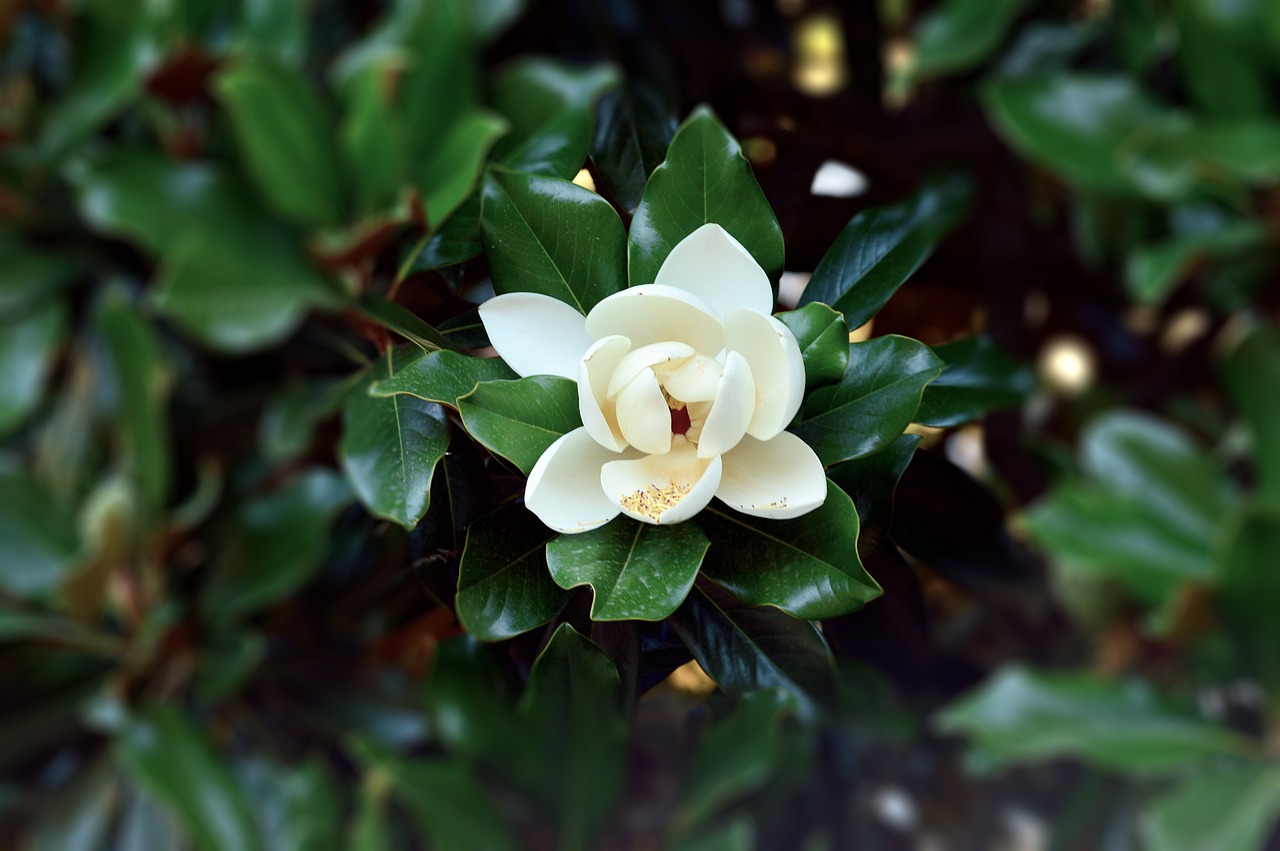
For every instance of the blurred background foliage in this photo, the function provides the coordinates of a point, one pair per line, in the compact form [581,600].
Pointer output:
[217,632]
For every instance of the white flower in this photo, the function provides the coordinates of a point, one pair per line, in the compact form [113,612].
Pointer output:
[684,386]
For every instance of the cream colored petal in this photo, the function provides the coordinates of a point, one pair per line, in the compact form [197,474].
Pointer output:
[536,334]
[653,314]
[778,478]
[714,266]
[695,380]
[564,488]
[598,413]
[663,489]
[731,411]
[643,415]
[644,357]
[776,365]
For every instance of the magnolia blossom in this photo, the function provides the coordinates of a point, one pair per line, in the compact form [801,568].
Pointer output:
[684,385]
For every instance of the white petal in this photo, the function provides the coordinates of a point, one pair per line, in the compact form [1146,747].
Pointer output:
[778,478]
[695,380]
[564,488]
[653,314]
[835,179]
[776,365]
[714,266]
[536,334]
[731,411]
[643,414]
[663,489]
[598,413]
[644,357]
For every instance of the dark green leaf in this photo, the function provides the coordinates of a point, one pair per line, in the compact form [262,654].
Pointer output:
[637,571]
[807,566]
[79,818]
[275,29]
[397,318]
[546,235]
[28,342]
[457,240]
[504,587]
[290,418]
[442,80]
[371,134]
[443,377]
[870,482]
[38,541]
[880,249]
[873,403]
[1249,586]
[823,336]
[296,805]
[979,376]
[1222,54]
[28,276]
[634,126]
[519,419]
[452,168]
[704,179]
[1251,373]
[1152,271]
[1226,809]
[960,34]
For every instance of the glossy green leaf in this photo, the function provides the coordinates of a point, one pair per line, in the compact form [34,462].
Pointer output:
[704,179]
[390,447]
[519,419]
[275,544]
[286,141]
[636,571]
[879,249]
[1248,589]
[38,540]
[161,750]
[397,318]
[504,587]
[1250,371]
[823,336]
[456,241]
[442,377]
[979,376]
[28,343]
[451,170]
[1226,809]
[959,34]
[549,236]
[634,126]
[870,481]
[807,566]
[549,105]
[874,402]
[1021,716]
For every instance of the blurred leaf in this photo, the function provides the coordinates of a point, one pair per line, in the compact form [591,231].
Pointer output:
[275,29]
[704,179]
[959,34]
[442,377]
[636,571]
[880,249]
[171,760]
[390,447]
[807,566]
[1043,47]
[28,343]
[519,419]
[1221,55]
[823,336]
[549,105]
[144,826]
[1249,587]
[1021,716]
[634,126]
[1251,373]
[296,806]
[290,417]
[1226,810]
[1153,270]
[874,402]
[38,541]
[451,170]
[441,81]
[28,276]
[979,376]
[79,819]
[546,235]
[275,544]
[736,834]
[397,318]
[371,133]
[370,830]
[492,17]
[227,660]
[504,588]
[285,139]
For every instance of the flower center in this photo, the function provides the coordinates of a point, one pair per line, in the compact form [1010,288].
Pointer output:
[680,420]
[655,499]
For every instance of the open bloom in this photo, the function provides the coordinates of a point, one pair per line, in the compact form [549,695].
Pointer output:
[684,386]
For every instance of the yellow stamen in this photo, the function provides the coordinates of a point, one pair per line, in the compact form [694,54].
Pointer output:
[654,500]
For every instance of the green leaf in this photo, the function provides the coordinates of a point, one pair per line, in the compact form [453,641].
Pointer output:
[704,179]
[807,566]
[573,706]
[547,235]
[979,376]
[38,541]
[1248,588]
[1251,372]
[371,132]
[823,336]
[390,447]
[397,318]
[28,343]
[286,141]
[456,241]
[519,419]
[1222,56]
[276,30]
[870,481]
[296,805]
[275,544]
[637,571]
[442,377]
[1152,271]
[28,276]
[959,34]
[873,403]
[442,79]
[880,249]
[744,648]
[451,170]
[290,418]
[504,588]
[1021,716]
[634,126]
[161,750]
[1226,809]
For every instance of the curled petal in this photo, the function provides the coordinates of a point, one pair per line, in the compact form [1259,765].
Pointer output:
[643,415]
[731,411]
[776,365]
[778,478]
[599,414]
[653,314]
[714,266]
[644,357]
[536,334]
[662,489]
[695,380]
[564,488]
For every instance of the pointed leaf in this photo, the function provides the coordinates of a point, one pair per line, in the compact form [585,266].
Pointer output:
[452,168]
[870,481]
[978,377]
[634,126]
[28,342]
[823,336]
[443,377]
[960,34]
[1226,809]
[38,540]
[397,318]
[519,419]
